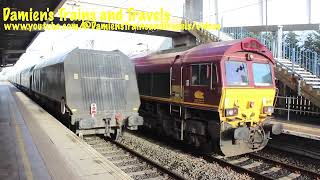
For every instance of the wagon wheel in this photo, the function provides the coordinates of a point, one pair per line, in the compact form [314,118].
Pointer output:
[116,135]
[63,106]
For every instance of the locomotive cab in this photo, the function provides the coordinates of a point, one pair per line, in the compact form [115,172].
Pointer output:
[246,103]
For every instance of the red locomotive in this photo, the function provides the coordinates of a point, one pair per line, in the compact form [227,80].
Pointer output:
[217,95]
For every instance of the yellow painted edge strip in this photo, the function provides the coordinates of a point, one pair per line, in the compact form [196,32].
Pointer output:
[171,101]
[20,141]
[204,105]
[156,98]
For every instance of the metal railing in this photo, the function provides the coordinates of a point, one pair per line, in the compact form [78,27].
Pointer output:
[305,58]
[285,104]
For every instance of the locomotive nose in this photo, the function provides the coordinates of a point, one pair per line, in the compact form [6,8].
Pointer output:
[241,140]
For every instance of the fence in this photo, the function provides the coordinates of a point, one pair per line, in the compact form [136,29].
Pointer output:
[295,106]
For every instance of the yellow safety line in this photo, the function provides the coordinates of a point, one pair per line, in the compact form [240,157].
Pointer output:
[20,141]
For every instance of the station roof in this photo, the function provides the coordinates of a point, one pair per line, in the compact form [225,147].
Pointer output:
[286,27]
[14,43]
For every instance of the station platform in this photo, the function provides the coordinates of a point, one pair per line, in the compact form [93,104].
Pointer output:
[34,145]
[299,129]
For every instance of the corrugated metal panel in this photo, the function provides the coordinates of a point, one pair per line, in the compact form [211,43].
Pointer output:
[102,81]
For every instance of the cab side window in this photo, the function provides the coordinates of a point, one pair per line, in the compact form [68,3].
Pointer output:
[214,74]
[200,74]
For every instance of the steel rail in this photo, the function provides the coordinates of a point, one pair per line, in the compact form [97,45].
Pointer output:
[150,161]
[235,167]
[295,150]
[313,174]
[220,160]
[159,167]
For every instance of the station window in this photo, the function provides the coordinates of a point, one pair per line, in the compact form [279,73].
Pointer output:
[200,74]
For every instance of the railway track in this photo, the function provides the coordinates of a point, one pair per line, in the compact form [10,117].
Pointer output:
[296,150]
[131,162]
[139,167]
[297,145]
[257,166]
[263,168]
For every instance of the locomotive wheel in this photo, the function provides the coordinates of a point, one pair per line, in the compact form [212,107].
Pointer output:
[73,128]
[116,135]
[208,146]
[63,106]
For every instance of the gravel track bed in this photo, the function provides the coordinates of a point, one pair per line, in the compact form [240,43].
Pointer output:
[278,174]
[134,169]
[128,163]
[112,153]
[261,168]
[247,162]
[101,149]
[118,158]
[146,176]
[288,158]
[185,164]
[303,177]
[232,158]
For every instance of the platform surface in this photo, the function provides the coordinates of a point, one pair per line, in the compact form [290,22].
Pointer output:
[300,129]
[34,145]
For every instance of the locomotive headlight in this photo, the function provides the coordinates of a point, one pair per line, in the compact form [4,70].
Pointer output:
[231,112]
[268,109]
[250,57]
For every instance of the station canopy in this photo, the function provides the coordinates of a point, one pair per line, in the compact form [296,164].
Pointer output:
[14,43]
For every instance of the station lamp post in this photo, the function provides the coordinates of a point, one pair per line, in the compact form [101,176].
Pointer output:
[266,15]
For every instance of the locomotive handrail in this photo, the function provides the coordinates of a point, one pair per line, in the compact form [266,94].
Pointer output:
[211,85]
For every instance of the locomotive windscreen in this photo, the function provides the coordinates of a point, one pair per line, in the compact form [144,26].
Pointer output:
[262,74]
[237,73]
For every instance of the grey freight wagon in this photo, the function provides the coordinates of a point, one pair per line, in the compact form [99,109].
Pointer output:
[97,90]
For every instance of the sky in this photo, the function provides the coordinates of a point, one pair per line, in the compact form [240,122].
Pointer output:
[246,12]
[253,12]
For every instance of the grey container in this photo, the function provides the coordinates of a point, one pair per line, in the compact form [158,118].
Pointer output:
[81,78]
